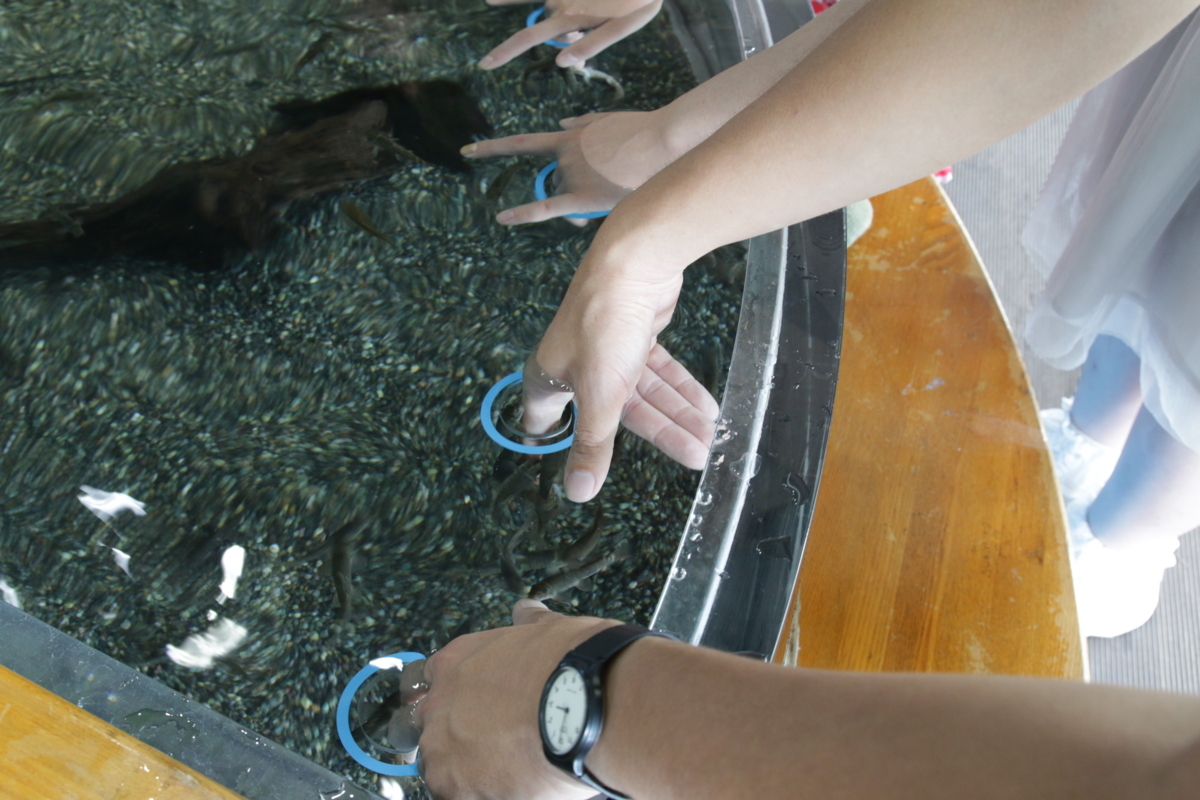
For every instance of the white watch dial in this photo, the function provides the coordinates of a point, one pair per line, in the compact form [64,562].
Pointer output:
[565,710]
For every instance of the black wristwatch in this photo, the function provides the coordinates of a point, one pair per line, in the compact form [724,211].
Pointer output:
[571,714]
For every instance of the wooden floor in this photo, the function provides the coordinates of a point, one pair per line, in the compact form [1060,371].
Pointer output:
[52,749]
[938,542]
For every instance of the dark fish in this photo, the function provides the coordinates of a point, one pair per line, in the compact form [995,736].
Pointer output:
[315,49]
[359,218]
[237,49]
[388,143]
[70,225]
[496,188]
[574,554]
[341,564]
[568,579]
[512,575]
[516,483]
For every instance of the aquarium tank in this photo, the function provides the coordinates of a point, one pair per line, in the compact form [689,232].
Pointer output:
[251,300]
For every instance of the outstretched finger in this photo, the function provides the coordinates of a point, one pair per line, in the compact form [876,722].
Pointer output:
[603,37]
[598,417]
[665,433]
[528,611]
[583,120]
[554,27]
[665,366]
[522,144]
[541,210]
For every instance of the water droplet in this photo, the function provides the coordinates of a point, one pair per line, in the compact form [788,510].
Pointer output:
[679,574]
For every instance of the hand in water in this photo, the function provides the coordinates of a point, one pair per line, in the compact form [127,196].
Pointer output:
[606,22]
[601,158]
[600,349]
[479,730]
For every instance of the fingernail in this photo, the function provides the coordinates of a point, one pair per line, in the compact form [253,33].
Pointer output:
[566,119]
[528,602]
[579,485]
[468,149]
[485,62]
[505,217]
[568,60]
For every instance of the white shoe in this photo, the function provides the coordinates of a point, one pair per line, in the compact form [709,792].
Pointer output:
[1082,464]
[1116,591]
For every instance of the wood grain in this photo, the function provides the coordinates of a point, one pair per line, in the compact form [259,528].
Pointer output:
[52,749]
[938,542]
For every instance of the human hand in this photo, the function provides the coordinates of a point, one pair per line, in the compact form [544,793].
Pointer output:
[601,159]
[479,729]
[600,349]
[606,23]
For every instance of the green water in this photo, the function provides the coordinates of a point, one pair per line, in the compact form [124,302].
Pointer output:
[331,377]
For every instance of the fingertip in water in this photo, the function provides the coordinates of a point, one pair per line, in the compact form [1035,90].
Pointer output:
[580,485]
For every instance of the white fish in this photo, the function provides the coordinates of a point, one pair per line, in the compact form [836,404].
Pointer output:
[107,505]
[122,560]
[9,594]
[232,561]
[199,650]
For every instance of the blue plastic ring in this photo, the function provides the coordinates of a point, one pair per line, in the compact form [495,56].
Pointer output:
[343,721]
[539,191]
[532,19]
[489,427]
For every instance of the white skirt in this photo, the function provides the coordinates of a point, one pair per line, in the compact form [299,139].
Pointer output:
[1117,230]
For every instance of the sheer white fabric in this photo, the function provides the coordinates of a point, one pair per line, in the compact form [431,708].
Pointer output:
[1117,229]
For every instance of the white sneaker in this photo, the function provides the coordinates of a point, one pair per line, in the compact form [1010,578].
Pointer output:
[1082,464]
[1116,591]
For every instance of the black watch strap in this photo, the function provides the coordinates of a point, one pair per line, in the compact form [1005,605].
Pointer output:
[591,658]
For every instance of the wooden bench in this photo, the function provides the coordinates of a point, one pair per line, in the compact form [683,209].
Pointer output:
[938,542]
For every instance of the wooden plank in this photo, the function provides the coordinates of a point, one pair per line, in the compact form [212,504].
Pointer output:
[939,540]
[53,749]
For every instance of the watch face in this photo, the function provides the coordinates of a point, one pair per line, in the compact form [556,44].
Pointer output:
[564,710]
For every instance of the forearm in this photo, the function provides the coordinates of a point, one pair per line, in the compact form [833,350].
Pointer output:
[694,116]
[874,106]
[683,723]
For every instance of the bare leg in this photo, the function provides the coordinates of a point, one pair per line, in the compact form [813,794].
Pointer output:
[1109,393]
[1153,495]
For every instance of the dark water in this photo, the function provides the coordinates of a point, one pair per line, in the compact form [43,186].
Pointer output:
[326,382]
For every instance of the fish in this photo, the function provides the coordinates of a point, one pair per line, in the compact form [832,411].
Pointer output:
[359,218]
[516,483]
[315,49]
[573,554]
[569,579]
[496,188]
[341,564]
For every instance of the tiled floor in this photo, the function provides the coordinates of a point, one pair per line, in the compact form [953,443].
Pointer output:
[994,192]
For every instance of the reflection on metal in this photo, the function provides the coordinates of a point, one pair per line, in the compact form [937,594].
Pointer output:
[740,553]
[189,732]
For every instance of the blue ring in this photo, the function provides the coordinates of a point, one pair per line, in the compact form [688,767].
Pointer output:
[343,722]
[489,427]
[533,17]
[539,191]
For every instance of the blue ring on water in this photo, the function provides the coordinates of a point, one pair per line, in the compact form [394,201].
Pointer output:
[539,191]
[489,427]
[343,721]
[532,19]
